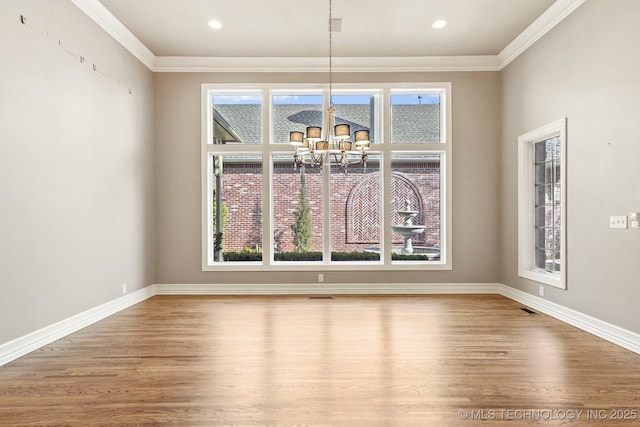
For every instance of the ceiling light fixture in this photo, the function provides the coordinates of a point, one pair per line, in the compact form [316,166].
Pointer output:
[215,24]
[334,145]
[440,23]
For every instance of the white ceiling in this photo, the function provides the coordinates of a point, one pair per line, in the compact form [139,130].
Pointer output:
[175,32]
[299,28]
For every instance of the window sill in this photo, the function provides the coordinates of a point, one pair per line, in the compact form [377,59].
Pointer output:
[320,266]
[551,279]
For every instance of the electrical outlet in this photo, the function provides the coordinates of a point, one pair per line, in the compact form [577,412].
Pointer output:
[124,288]
[320,278]
[618,221]
[541,291]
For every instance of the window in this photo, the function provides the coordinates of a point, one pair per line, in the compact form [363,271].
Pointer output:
[416,185]
[298,198]
[294,111]
[415,117]
[542,206]
[235,207]
[236,119]
[261,212]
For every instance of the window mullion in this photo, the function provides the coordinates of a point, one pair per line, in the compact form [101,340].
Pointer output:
[386,242]
[326,191]
[385,127]
[326,213]
[267,172]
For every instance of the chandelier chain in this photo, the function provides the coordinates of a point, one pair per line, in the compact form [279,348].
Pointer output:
[331,143]
[330,53]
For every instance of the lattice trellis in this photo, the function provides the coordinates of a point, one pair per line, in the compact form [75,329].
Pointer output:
[363,213]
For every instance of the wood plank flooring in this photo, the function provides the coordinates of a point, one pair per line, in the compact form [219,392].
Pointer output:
[436,360]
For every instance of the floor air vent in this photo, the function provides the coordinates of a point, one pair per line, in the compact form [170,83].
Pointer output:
[320,297]
[528,311]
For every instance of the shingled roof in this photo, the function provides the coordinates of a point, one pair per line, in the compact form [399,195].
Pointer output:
[411,123]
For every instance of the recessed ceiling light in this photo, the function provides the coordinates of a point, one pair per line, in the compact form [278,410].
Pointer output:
[215,24]
[440,23]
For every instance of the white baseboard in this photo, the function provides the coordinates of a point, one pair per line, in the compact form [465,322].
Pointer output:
[329,288]
[612,333]
[27,343]
[30,342]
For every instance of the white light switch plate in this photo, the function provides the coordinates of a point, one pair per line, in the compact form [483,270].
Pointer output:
[618,221]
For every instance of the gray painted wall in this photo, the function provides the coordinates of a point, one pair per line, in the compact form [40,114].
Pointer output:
[78,157]
[587,69]
[76,167]
[476,137]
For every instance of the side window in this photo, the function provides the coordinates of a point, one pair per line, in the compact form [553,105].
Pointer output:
[542,207]
[547,205]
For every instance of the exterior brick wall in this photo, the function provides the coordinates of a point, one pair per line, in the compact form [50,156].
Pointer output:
[242,197]
[356,225]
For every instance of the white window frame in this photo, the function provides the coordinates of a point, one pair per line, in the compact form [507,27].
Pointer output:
[526,204]
[384,147]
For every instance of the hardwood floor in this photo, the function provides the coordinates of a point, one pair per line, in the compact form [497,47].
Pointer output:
[436,360]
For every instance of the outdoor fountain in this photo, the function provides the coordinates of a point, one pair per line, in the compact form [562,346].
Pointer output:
[407,229]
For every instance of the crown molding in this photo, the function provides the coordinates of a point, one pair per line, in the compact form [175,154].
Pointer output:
[181,64]
[551,17]
[559,10]
[105,19]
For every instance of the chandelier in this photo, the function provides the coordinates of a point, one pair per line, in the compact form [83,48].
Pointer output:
[334,145]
